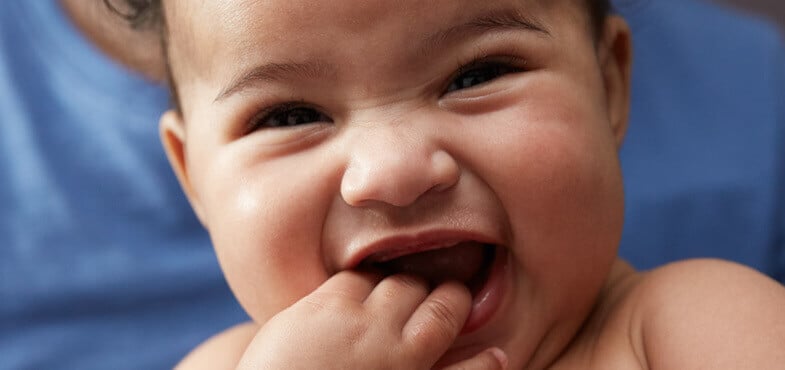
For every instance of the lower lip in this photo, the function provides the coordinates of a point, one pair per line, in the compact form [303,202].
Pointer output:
[488,300]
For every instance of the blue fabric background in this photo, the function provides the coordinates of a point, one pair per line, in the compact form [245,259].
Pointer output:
[704,157]
[102,263]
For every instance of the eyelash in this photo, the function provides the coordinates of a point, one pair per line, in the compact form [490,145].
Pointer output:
[271,112]
[504,65]
[501,65]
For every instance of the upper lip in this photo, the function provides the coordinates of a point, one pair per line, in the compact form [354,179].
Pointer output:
[394,246]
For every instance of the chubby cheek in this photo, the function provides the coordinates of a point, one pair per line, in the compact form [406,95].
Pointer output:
[265,219]
[569,214]
[558,178]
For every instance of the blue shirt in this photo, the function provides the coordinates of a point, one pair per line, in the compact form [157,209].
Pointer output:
[102,262]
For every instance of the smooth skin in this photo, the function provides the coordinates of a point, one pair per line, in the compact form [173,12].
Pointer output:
[360,311]
[415,326]
[500,119]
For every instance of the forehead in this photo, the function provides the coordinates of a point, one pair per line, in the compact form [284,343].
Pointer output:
[204,35]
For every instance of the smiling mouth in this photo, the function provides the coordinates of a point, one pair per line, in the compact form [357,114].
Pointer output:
[468,262]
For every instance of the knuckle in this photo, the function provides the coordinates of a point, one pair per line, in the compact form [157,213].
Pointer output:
[395,286]
[346,324]
[314,303]
[443,314]
[328,303]
[354,332]
[441,326]
[318,301]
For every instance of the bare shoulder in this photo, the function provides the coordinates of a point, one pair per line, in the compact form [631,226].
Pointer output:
[711,314]
[222,351]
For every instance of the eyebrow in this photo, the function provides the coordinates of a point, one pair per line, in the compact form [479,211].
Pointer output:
[273,72]
[498,20]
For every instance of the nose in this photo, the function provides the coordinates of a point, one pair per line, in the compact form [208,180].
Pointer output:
[390,167]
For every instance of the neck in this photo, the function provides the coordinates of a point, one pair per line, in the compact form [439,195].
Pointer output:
[138,50]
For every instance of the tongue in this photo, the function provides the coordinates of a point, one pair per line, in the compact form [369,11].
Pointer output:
[461,263]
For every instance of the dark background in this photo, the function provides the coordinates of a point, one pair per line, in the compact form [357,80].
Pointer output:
[773,10]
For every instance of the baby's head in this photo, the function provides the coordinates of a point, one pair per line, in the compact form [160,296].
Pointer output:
[317,136]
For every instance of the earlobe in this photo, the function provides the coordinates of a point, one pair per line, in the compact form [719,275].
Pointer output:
[616,62]
[172,131]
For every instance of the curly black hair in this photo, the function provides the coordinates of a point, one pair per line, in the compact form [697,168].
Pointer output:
[149,13]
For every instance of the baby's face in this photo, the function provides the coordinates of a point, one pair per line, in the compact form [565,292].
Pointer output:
[319,136]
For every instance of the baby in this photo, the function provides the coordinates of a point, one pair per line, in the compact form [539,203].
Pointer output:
[413,184]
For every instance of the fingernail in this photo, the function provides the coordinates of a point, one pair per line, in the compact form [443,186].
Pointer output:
[500,356]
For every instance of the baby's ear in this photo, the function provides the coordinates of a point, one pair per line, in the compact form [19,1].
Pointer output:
[172,131]
[615,54]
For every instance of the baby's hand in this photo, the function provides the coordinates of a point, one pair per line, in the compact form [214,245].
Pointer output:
[355,321]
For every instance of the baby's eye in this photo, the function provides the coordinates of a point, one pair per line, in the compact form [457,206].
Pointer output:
[288,115]
[480,73]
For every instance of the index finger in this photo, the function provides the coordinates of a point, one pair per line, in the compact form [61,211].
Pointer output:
[438,320]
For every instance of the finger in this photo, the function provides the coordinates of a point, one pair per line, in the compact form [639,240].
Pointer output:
[352,285]
[437,321]
[396,297]
[490,359]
